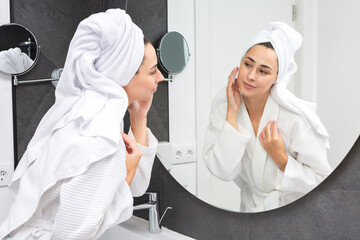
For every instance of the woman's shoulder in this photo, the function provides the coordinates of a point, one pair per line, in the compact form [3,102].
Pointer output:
[218,115]
[292,121]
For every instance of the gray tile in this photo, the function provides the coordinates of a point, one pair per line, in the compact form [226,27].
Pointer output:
[150,16]
[115,4]
[346,176]
[331,214]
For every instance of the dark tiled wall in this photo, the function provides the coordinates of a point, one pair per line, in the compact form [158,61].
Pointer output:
[54,22]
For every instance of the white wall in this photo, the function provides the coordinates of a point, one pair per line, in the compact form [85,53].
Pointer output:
[338,79]
[6,125]
[305,83]
[182,97]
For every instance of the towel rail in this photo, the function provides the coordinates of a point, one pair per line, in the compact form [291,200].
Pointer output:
[17,82]
[55,76]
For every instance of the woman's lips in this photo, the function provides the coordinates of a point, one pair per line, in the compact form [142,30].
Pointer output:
[247,86]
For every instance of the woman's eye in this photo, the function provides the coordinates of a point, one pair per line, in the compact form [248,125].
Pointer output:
[247,64]
[263,72]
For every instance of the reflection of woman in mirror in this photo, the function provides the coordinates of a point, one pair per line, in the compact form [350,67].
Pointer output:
[270,143]
[79,173]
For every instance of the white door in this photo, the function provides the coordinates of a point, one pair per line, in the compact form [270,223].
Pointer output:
[223,30]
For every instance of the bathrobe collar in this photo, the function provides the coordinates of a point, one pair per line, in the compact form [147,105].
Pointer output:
[254,149]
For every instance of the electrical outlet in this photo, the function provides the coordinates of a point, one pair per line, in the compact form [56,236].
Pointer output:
[6,172]
[184,153]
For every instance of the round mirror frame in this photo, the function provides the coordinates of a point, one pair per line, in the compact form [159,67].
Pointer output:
[37,54]
[161,58]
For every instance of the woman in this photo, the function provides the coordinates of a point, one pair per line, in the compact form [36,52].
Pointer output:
[270,143]
[79,173]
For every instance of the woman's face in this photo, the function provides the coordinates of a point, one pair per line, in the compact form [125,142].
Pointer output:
[144,83]
[258,71]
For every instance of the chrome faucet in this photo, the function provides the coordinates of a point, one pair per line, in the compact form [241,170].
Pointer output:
[153,206]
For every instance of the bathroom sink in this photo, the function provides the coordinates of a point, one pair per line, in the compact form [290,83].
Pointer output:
[138,229]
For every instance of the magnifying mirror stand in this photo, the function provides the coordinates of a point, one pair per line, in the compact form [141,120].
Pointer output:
[170,79]
[55,75]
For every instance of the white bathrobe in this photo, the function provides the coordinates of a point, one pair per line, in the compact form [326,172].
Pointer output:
[237,155]
[70,182]
[91,202]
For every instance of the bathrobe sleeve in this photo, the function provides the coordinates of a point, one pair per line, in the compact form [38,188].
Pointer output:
[307,162]
[141,180]
[92,202]
[224,146]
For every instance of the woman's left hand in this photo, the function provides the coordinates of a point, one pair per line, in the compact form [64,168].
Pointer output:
[273,143]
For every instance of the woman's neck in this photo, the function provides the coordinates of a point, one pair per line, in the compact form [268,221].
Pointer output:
[255,107]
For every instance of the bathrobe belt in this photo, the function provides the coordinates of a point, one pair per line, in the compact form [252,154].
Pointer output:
[270,200]
[40,227]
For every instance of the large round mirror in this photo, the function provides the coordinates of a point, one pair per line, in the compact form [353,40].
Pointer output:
[173,53]
[221,38]
[19,50]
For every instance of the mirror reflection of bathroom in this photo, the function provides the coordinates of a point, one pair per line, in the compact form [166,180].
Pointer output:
[221,38]
[19,50]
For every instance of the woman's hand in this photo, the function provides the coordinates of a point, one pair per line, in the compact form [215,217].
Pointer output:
[138,111]
[133,155]
[273,143]
[233,98]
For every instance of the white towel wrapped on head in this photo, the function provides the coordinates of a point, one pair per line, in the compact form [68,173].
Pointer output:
[286,41]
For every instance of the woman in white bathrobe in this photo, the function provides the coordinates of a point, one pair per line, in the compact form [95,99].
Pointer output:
[79,173]
[270,143]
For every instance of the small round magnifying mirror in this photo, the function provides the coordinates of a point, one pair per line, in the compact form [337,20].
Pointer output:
[173,53]
[19,50]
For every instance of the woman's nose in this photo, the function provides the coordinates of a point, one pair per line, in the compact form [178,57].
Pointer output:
[159,77]
[252,75]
